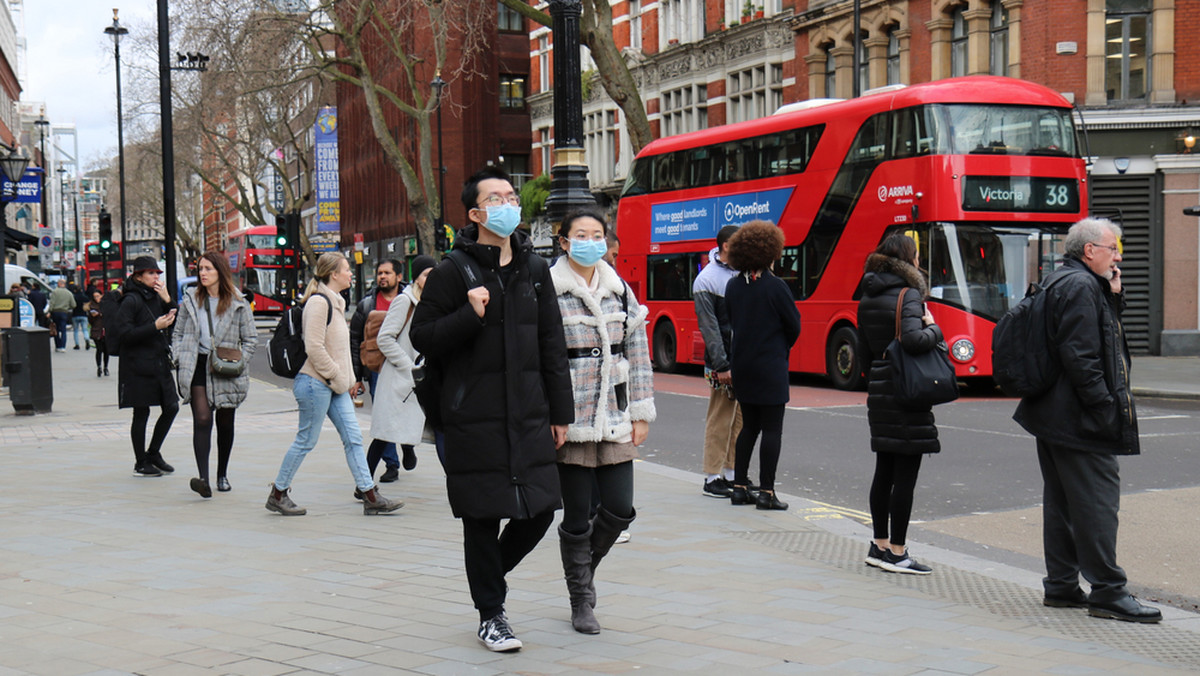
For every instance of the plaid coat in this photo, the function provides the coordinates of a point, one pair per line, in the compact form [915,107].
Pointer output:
[599,321]
[235,328]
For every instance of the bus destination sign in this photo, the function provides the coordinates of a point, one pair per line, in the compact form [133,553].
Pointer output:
[1020,193]
[703,218]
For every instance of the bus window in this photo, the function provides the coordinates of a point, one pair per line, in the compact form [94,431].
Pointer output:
[1010,130]
[870,145]
[670,276]
[638,182]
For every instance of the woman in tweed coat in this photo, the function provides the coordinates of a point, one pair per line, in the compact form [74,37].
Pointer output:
[614,405]
[212,314]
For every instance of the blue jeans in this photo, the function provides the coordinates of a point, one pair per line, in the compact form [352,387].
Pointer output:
[389,451]
[317,401]
[80,324]
[60,319]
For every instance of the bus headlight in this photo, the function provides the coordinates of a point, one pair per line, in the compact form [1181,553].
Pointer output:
[963,350]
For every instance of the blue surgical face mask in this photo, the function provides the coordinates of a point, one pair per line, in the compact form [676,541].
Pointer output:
[503,219]
[587,252]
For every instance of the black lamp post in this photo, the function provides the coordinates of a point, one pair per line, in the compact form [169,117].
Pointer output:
[115,31]
[568,183]
[438,85]
[12,164]
[42,123]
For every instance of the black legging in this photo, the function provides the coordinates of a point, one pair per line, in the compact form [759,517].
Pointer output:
[101,350]
[614,483]
[892,494]
[376,449]
[137,431]
[202,424]
[756,419]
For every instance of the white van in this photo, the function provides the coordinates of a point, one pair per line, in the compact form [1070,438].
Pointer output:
[16,273]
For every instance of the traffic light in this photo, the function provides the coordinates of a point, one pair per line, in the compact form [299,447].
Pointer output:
[292,221]
[281,231]
[444,240]
[105,230]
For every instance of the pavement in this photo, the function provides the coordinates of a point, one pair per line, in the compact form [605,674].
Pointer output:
[105,573]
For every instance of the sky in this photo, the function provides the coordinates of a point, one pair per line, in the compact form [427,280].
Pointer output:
[70,66]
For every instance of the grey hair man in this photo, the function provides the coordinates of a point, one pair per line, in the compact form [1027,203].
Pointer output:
[1082,423]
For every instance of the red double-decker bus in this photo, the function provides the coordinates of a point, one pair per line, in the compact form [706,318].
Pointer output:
[261,267]
[93,263]
[983,172]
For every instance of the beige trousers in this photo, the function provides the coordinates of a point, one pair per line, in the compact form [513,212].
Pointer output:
[722,424]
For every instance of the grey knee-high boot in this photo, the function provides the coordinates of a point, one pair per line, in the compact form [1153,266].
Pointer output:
[577,569]
[606,528]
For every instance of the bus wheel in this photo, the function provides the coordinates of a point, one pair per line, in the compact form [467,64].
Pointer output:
[664,347]
[842,362]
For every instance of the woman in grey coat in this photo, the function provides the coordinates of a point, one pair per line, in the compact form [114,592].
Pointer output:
[211,315]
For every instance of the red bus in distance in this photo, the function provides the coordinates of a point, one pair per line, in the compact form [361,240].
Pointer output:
[261,267]
[984,173]
[93,263]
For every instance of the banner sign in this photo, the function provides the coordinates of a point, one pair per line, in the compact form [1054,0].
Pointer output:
[703,218]
[28,189]
[329,212]
[321,246]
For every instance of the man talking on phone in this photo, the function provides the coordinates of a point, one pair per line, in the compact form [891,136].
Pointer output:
[1082,423]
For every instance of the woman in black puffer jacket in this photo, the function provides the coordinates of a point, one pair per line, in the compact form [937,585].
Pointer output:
[899,436]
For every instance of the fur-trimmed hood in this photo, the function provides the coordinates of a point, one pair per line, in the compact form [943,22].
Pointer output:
[884,272]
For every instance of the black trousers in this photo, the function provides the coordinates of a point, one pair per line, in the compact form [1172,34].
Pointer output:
[489,554]
[767,421]
[1080,500]
[891,495]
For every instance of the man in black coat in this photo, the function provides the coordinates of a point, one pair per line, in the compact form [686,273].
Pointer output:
[505,399]
[1082,423]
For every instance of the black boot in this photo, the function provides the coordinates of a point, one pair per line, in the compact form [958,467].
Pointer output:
[156,459]
[606,528]
[577,569]
[142,465]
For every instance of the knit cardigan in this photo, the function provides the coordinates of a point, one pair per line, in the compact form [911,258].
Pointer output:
[600,321]
[327,345]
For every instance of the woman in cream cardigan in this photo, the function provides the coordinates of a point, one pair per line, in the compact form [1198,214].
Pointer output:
[614,405]
[324,387]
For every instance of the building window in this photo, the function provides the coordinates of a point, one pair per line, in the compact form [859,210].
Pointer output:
[682,21]
[893,56]
[512,91]
[1126,38]
[635,24]
[755,92]
[600,144]
[510,20]
[685,110]
[544,143]
[958,44]
[830,73]
[999,39]
[864,65]
[544,63]
[517,167]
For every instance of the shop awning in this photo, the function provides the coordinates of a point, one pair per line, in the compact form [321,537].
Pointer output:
[15,239]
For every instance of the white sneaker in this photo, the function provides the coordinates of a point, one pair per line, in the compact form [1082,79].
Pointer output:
[622,538]
[497,635]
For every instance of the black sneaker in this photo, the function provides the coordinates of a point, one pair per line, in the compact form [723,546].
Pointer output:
[156,460]
[146,469]
[717,488]
[874,556]
[390,475]
[497,635]
[903,563]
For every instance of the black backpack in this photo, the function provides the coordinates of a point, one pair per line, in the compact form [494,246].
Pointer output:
[110,308]
[1024,364]
[285,350]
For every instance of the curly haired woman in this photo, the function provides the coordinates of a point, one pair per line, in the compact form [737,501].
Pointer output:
[766,323]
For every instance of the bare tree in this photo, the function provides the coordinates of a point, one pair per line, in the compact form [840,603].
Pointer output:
[596,31]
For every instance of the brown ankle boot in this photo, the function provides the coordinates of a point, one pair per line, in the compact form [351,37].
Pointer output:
[374,503]
[278,501]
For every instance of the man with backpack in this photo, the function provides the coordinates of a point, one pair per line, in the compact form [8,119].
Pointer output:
[387,286]
[1082,422]
[489,320]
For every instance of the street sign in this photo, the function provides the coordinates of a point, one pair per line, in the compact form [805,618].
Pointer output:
[46,241]
[358,241]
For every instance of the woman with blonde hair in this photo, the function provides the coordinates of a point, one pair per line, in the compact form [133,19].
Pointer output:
[324,387]
[214,323]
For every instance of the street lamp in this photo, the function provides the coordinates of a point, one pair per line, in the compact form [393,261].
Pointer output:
[115,31]
[569,183]
[12,164]
[438,85]
[42,123]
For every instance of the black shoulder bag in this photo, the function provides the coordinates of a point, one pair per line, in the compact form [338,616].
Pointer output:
[920,380]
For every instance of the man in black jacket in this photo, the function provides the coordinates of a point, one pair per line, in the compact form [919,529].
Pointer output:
[1082,423]
[387,287]
[505,398]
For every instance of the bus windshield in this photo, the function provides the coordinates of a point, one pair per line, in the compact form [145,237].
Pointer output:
[986,269]
[261,242]
[1005,130]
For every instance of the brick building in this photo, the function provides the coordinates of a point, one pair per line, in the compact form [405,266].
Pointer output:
[1128,65]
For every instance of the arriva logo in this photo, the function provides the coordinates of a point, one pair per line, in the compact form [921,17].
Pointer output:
[733,211]
[894,191]
[989,194]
